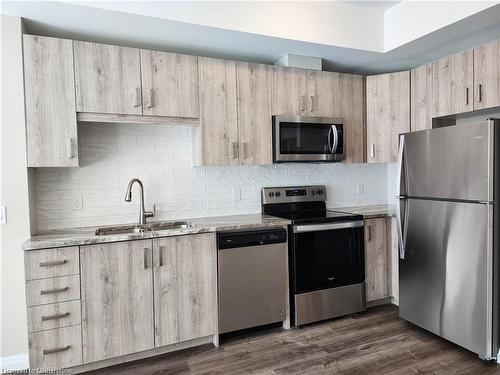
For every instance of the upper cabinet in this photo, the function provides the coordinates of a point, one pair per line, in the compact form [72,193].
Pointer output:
[387,114]
[452,83]
[322,90]
[254,113]
[487,75]
[218,114]
[50,102]
[421,97]
[169,84]
[108,78]
[289,91]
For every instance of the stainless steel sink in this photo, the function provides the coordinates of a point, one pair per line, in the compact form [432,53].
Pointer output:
[134,229]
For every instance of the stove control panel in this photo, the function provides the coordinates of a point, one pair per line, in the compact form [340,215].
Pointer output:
[289,194]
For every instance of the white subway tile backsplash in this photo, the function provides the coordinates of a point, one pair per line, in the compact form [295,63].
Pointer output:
[112,154]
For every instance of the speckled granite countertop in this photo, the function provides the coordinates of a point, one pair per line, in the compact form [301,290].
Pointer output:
[370,212]
[87,236]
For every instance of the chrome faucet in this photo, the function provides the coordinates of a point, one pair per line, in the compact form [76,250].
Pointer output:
[128,198]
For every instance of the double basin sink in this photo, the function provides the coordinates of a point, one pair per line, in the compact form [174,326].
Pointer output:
[138,228]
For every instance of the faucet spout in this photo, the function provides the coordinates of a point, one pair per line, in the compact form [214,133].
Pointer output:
[143,214]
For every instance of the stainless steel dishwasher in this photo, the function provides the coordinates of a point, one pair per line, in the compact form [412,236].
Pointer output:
[252,278]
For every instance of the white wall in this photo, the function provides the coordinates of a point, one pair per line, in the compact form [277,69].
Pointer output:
[110,155]
[14,195]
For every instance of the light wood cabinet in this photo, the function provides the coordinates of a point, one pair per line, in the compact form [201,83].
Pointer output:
[452,82]
[387,114]
[218,113]
[393,254]
[289,91]
[185,288]
[117,299]
[254,113]
[108,78]
[169,84]
[323,96]
[376,260]
[421,98]
[487,75]
[51,132]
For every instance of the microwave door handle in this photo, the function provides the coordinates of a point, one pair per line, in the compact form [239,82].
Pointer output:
[330,147]
[335,138]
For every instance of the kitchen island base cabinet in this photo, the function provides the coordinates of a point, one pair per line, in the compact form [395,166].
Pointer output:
[185,288]
[117,299]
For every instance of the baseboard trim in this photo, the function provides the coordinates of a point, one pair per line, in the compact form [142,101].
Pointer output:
[15,362]
[383,301]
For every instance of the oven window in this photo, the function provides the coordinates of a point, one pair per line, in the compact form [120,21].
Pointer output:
[328,259]
[304,138]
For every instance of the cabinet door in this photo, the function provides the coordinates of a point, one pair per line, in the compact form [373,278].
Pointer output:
[289,91]
[387,114]
[50,102]
[117,299]
[185,288]
[376,266]
[254,113]
[421,98]
[452,79]
[218,114]
[349,103]
[322,89]
[487,75]
[169,84]
[393,257]
[108,78]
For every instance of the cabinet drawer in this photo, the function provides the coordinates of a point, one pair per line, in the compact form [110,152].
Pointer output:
[56,315]
[56,348]
[57,289]
[41,264]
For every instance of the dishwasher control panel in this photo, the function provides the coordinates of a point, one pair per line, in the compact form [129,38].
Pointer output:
[255,237]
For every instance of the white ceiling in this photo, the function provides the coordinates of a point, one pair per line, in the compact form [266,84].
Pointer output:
[374,4]
[83,22]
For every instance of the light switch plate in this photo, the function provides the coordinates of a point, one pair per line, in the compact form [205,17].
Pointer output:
[78,202]
[3,215]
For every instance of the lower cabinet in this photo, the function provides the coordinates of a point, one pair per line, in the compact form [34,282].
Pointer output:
[185,288]
[381,259]
[138,295]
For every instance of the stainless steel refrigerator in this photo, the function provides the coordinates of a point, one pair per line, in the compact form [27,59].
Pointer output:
[448,233]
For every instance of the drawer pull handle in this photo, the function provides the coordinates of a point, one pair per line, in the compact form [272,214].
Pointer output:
[55,316]
[56,350]
[53,291]
[53,263]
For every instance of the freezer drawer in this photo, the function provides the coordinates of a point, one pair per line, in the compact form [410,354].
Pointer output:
[446,273]
[454,162]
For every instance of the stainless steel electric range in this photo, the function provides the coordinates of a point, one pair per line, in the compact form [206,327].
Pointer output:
[326,253]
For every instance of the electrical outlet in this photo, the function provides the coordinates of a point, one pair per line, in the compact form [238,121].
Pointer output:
[3,215]
[78,202]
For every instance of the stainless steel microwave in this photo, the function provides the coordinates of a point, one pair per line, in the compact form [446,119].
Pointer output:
[303,139]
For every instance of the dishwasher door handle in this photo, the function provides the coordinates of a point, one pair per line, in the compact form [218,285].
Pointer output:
[329,226]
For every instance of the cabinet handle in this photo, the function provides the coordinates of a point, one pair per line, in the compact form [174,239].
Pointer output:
[466,96]
[480,93]
[245,150]
[55,316]
[146,258]
[151,95]
[53,263]
[372,150]
[53,291]
[56,350]
[312,103]
[234,150]
[303,101]
[70,148]
[160,250]
[137,97]
[368,233]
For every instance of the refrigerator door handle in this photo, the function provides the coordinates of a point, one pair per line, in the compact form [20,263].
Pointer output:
[401,199]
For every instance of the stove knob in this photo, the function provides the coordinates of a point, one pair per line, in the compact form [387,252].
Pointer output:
[271,194]
[314,192]
[320,192]
[278,193]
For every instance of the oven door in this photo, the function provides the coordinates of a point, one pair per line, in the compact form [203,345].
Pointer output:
[327,255]
[307,139]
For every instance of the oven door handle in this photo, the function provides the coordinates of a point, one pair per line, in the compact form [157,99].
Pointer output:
[329,226]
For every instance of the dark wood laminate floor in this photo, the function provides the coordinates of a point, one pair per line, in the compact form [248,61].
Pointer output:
[375,342]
